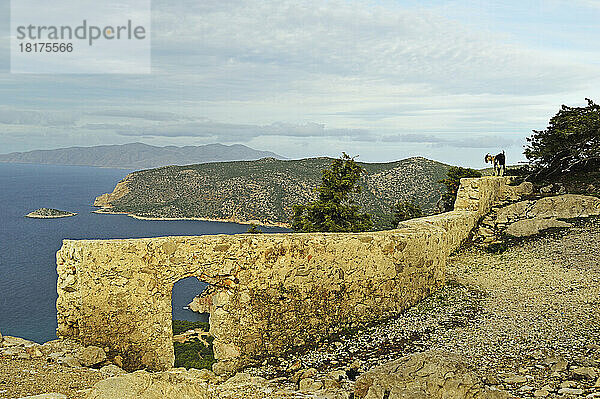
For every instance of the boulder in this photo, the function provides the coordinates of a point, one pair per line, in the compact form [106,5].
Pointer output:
[34,351]
[69,361]
[515,379]
[17,341]
[190,384]
[585,373]
[566,206]
[515,193]
[91,356]
[144,385]
[570,391]
[432,374]
[530,227]
[531,217]
[65,346]
[310,385]
[18,351]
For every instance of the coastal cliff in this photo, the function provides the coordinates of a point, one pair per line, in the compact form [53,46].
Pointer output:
[120,190]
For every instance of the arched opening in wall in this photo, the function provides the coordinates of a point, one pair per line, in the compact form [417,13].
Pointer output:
[192,342]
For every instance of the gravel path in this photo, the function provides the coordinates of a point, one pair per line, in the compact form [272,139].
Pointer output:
[24,377]
[542,299]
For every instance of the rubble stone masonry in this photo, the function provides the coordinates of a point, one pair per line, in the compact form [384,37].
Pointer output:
[274,292]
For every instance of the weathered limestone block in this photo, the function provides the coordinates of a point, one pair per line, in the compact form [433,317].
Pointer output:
[530,227]
[190,384]
[144,385]
[513,212]
[428,375]
[515,193]
[91,356]
[567,206]
[457,226]
[480,194]
[530,217]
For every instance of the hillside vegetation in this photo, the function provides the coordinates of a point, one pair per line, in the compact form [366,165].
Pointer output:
[137,155]
[266,190]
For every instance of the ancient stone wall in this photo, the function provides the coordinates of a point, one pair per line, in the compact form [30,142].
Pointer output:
[274,292]
[480,194]
[475,198]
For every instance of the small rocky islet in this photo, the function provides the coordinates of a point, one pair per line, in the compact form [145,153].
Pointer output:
[49,213]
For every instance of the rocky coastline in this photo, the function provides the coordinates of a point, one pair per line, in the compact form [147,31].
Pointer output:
[108,211]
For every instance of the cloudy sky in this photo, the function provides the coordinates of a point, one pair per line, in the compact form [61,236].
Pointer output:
[448,80]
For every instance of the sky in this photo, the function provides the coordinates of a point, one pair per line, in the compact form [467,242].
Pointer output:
[385,80]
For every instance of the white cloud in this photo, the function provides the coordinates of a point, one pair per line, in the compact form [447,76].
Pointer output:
[227,132]
[139,114]
[587,3]
[329,74]
[479,141]
[351,40]
[36,118]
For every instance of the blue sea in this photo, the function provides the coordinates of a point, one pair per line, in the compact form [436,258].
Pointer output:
[28,246]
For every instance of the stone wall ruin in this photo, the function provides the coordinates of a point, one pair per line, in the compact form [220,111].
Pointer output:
[274,292]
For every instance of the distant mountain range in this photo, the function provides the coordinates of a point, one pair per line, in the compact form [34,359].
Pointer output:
[138,155]
[264,191]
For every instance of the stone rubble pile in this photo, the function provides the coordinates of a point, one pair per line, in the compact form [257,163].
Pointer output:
[68,353]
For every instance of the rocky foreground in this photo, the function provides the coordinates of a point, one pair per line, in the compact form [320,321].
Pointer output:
[522,323]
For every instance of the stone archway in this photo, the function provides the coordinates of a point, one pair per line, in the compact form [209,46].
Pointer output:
[192,343]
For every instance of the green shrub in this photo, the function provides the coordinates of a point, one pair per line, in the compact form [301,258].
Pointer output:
[405,210]
[570,143]
[334,210]
[194,354]
[253,229]
[181,326]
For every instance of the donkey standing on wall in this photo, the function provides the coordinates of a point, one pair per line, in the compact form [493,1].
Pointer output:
[498,161]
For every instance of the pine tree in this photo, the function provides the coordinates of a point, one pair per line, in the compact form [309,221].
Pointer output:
[334,210]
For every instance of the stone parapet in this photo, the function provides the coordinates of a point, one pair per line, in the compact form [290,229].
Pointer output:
[272,292]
